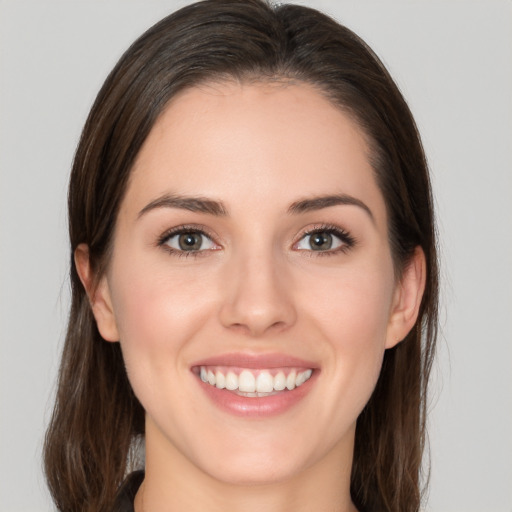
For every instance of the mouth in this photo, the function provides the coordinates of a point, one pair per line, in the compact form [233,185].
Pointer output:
[254,383]
[255,386]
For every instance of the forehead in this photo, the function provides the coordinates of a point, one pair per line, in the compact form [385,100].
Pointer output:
[267,142]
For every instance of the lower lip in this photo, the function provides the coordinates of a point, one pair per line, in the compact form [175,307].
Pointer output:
[257,407]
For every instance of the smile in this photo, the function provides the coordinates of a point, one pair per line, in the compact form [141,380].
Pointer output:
[254,382]
[256,386]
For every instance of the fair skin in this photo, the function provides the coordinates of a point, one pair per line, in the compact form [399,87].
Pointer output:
[257,270]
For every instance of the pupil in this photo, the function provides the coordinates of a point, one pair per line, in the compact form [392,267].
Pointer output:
[190,241]
[321,241]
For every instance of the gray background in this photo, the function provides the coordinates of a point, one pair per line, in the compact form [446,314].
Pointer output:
[453,61]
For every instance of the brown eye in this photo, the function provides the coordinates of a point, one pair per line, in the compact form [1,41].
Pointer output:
[320,241]
[190,241]
[325,240]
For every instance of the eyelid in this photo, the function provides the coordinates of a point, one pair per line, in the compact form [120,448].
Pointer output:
[348,240]
[187,228]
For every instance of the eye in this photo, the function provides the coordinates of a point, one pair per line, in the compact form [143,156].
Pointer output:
[188,240]
[325,240]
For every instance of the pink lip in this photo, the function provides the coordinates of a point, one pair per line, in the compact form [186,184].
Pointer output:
[256,407]
[256,361]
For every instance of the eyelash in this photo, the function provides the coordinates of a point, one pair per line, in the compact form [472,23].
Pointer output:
[348,241]
[179,230]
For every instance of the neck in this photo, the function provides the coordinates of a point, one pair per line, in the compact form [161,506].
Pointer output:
[173,482]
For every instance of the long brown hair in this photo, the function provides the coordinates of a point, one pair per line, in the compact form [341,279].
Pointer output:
[97,418]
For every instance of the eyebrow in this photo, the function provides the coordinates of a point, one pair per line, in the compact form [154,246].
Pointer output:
[217,208]
[190,203]
[320,202]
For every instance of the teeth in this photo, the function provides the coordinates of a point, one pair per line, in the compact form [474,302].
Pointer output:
[264,383]
[279,381]
[290,380]
[220,380]
[254,385]
[246,382]
[302,377]
[231,381]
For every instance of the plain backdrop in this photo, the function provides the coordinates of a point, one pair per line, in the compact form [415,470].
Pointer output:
[453,61]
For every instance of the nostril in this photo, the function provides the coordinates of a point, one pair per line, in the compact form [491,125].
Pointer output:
[254,329]
[255,300]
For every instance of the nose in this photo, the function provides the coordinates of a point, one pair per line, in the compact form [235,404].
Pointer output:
[257,296]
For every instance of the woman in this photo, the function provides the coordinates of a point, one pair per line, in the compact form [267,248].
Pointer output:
[254,275]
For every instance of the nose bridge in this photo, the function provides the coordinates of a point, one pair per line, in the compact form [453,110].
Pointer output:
[257,295]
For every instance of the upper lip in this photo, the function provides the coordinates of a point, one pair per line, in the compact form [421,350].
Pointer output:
[255,361]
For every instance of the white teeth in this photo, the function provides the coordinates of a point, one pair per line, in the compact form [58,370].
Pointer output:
[250,384]
[264,383]
[307,374]
[290,380]
[302,377]
[280,381]
[231,381]
[220,380]
[246,382]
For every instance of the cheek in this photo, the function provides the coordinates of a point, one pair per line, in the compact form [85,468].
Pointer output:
[353,319]
[353,305]
[150,300]
[156,313]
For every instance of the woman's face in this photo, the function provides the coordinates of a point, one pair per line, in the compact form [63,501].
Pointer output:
[251,252]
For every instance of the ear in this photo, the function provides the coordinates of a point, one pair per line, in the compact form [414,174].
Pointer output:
[407,299]
[98,293]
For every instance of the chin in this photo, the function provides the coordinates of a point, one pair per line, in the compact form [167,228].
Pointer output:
[256,470]
[265,456]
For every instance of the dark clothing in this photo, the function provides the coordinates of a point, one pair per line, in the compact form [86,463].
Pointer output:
[124,501]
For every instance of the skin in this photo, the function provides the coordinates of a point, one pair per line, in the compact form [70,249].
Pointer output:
[258,288]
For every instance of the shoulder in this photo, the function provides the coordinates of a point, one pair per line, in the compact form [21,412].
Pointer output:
[127,492]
